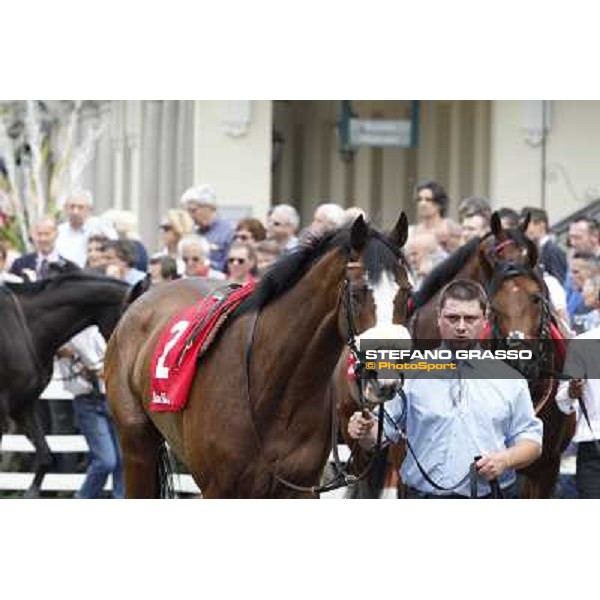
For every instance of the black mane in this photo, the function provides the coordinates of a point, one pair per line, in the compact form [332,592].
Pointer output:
[378,256]
[445,272]
[28,288]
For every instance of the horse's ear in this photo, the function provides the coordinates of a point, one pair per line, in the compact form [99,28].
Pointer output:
[496,224]
[532,253]
[141,287]
[359,234]
[525,222]
[400,232]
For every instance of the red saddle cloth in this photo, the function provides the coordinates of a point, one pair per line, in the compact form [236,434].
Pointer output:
[184,341]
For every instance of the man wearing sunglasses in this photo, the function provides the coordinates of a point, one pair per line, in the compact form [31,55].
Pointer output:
[476,415]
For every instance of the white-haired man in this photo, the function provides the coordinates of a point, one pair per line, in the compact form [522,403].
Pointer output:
[74,232]
[201,203]
[282,224]
[327,217]
[194,252]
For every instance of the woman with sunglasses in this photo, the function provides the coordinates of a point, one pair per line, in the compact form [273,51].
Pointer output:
[177,224]
[249,231]
[241,263]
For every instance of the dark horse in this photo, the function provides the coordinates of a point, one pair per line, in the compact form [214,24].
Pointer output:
[258,419]
[37,318]
[504,262]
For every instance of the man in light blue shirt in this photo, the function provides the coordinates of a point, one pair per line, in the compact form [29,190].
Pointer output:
[201,203]
[478,410]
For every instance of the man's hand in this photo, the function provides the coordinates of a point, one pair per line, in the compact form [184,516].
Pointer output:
[359,427]
[575,388]
[491,466]
[64,352]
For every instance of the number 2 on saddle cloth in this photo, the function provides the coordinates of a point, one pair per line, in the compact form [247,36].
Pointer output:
[185,339]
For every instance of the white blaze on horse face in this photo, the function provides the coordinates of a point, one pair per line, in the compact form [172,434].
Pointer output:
[384,292]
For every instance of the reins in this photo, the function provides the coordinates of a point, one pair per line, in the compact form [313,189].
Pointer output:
[471,476]
[342,477]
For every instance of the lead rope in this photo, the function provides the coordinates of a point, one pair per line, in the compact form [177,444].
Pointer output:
[471,475]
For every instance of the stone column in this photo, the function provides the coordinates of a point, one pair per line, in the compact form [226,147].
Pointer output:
[104,189]
[166,155]
[150,174]
[118,145]
[133,129]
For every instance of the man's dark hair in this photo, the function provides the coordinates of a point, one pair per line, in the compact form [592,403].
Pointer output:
[474,205]
[440,197]
[593,225]
[536,215]
[124,249]
[464,290]
[511,215]
[587,257]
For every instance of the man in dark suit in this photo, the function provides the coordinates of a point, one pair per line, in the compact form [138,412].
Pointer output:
[35,265]
[552,257]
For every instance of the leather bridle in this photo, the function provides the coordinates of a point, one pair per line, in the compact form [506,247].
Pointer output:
[343,477]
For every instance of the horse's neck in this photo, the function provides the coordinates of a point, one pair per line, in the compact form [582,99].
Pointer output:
[306,354]
[472,270]
[51,329]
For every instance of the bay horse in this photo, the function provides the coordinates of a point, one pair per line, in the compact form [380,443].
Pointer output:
[258,418]
[520,316]
[36,319]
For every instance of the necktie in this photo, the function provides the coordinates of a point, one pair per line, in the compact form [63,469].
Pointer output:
[43,270]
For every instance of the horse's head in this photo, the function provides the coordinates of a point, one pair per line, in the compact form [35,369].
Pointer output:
[502,246]
[519,310]
[377,287]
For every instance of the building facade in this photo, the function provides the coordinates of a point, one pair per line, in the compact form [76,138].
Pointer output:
[256,153]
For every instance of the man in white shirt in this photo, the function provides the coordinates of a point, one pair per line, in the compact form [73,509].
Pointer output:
[583,364]
[81,364]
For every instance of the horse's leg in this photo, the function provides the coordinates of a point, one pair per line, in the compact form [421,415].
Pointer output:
[140,444]
[540,482]
[28,420]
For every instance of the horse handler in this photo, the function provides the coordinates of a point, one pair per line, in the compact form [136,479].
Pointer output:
[467,433]
[82,362]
